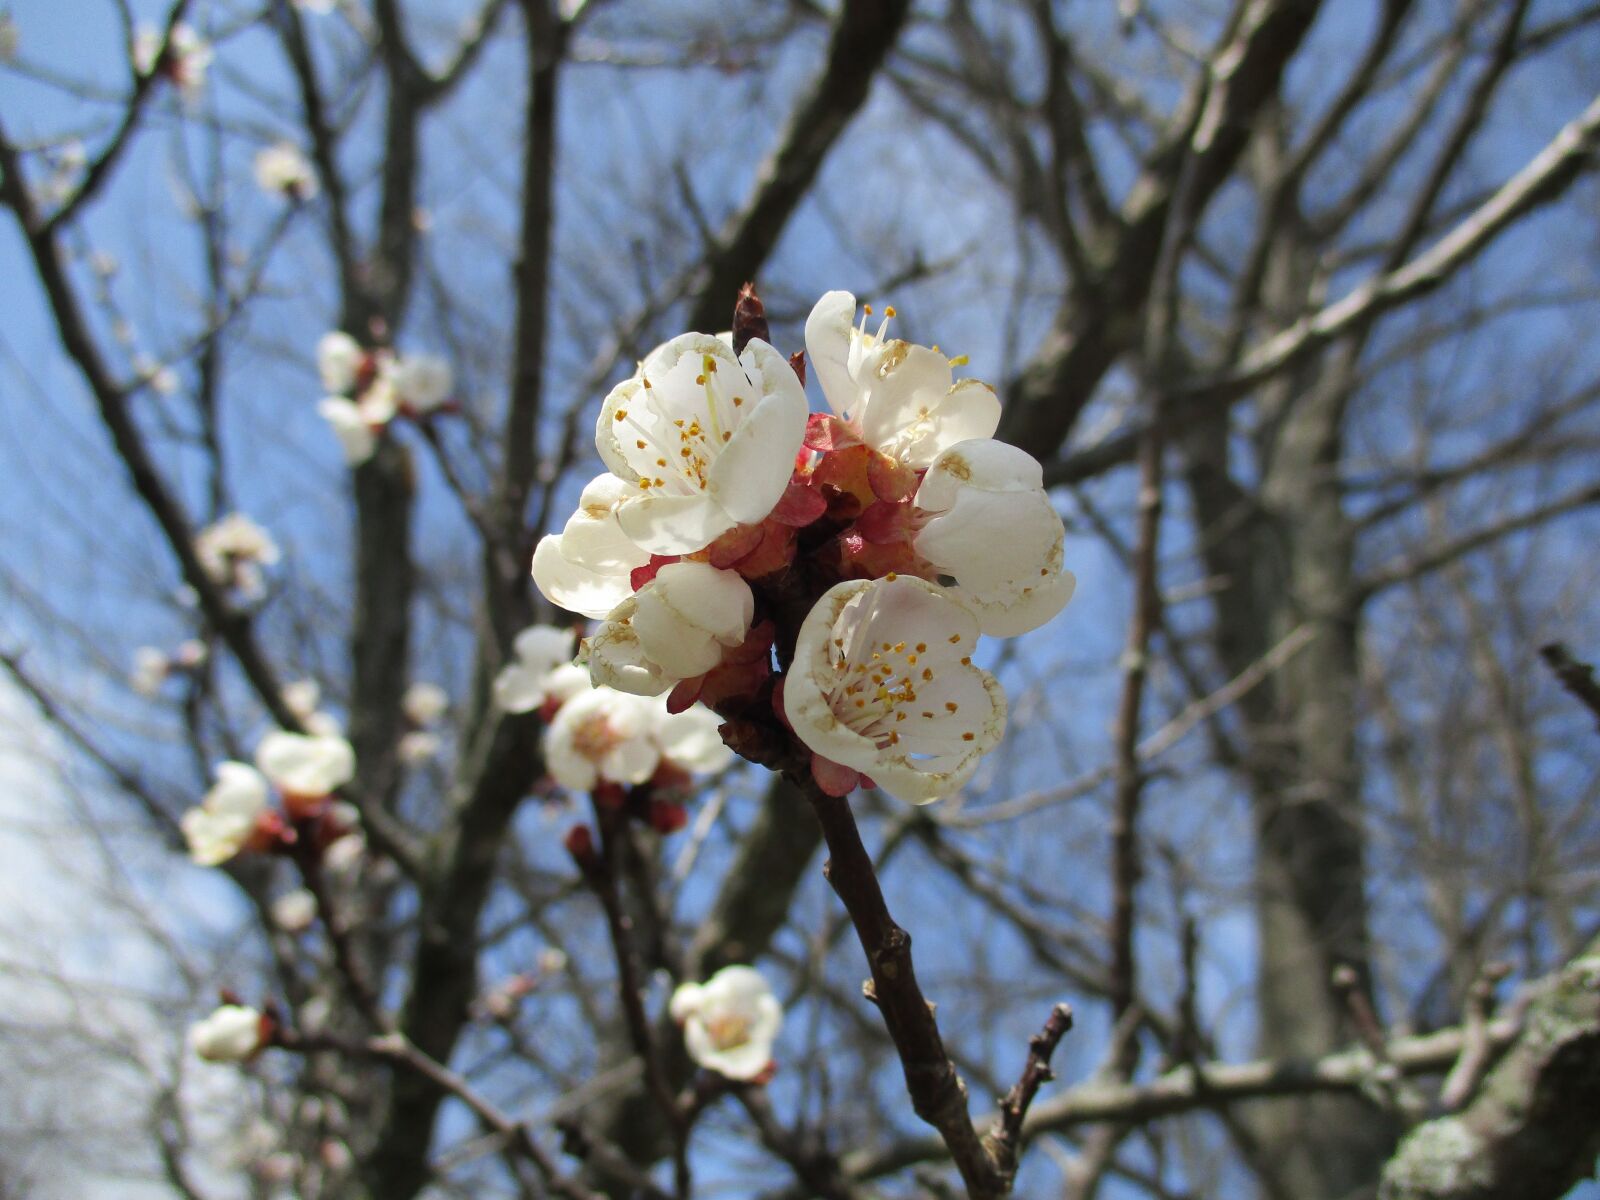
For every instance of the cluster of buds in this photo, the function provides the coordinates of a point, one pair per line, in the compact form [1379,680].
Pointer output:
[182,58]
[369,387]
[237,815]
[234,553]
[868,546]
[152,666]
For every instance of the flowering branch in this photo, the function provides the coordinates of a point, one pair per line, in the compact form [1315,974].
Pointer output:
[938,1096]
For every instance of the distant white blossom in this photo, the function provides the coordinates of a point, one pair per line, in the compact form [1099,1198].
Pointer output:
[188,56]
[228,816]
[150,670]
[339,359]
[422,382]
[233,552]
[729,1022]
[523,684]
[293,912]
[281,169]
[306,767]
[418,746]
[424,703]
[231,1034]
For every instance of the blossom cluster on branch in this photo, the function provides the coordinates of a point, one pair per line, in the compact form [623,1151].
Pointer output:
[371,386]
[867,547]
[237,814]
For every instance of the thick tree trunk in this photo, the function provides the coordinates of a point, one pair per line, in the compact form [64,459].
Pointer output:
[1283,556]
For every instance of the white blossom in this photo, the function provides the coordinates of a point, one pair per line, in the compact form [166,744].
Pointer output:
[308,767]
[422,382]
[424,703]
[230,1034]
[729,1022]
[418,746]
[523,684]
[704,440]
[690,740]
[987,522]
[226,818]
[281,169]
[586,568]
[293,912]
[301,697]
[150,670]
[356,434]
[897,396]
[339,359]
[346,854]
[883,682]
[187,59]
[232,553]
[602,736]
[674,627]
[191,654]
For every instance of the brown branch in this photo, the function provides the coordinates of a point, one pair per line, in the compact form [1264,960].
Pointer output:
[1129,774]
[99,171]
[1187,1089]
[1005,1139]
[508,595]
[600,872]
[1577,677]
[397,1049]
[937,1094]
[1543,180]
[861,41]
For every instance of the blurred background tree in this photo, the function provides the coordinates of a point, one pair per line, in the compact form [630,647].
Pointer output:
[1293,301]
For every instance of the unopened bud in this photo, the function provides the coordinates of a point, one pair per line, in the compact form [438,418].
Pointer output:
[749,319]
[667,817]
[580,844]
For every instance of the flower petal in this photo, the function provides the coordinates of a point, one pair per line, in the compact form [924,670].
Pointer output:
[828,330]
[674,524]
[572,586]
[750,475]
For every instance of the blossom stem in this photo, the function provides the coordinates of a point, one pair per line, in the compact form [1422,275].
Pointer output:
[937,1093]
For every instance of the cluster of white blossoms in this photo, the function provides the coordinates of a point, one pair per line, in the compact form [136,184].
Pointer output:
[368,387]
[729,1022]
[185,61]
[234,552]
[424,706]
[598,735]
[282,170]
[925,532]
[237,814]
